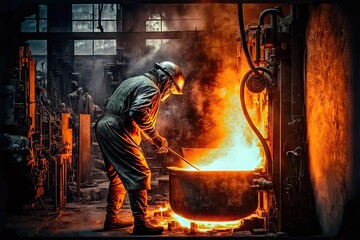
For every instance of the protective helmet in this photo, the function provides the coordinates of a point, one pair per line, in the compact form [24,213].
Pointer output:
[175,73]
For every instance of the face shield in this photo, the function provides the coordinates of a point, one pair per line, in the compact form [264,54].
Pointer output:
[169,89]
[177,78]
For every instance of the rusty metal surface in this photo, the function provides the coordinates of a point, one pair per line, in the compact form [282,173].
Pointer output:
[85,163]
[211,195]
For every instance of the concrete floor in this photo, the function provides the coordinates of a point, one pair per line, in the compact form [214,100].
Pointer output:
[84,217]
[76,219]
[85,220]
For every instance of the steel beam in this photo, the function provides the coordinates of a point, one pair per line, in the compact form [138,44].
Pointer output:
[107,35]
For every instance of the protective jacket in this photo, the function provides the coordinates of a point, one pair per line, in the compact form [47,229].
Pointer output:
[130,112]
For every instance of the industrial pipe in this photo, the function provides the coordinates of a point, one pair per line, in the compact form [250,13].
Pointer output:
[248,118]
[274,12]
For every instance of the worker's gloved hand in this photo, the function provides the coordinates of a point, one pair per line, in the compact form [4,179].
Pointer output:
[160,144]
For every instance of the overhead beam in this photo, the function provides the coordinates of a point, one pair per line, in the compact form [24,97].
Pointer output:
[106,35]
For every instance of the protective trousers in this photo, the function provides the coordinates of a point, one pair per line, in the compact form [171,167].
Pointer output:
[116,194]
[138,205]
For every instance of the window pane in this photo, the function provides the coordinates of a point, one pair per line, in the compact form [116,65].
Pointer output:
[28,26]
[153,26]
[41,64]
[38,47]
[109,26]
[108,12]
[82,12]
[43,11]
[82,26]
[105,47]
[43,26]
[83,47]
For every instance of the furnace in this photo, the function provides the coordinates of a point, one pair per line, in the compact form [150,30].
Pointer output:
[268,115]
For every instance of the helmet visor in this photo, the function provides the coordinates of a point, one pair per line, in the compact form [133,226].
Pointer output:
[178,85]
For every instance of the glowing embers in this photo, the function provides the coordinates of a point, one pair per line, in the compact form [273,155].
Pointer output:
[177,225]
[203,226]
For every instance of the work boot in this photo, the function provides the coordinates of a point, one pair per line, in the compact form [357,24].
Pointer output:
[115,222]
[115,200]
[138,204]
[147,229]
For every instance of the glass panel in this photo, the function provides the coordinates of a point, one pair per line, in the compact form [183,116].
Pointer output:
[108,12]
[82,26]
[82,12]
[153,26]
[109,26]
[41,63]
[43,26]
[28,26]
[83,47]
[38,47]
[105,47]
[41,71]
[43,11]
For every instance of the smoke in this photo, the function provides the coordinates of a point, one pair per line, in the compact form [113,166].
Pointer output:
[194,119]
[91,76]
[208,57]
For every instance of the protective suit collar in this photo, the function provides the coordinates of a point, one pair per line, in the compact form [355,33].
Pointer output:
[163,84]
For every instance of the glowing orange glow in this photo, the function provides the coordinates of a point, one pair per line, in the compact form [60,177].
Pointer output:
[234,145]
[204,225]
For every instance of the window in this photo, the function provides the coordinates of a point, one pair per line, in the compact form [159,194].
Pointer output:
[156,23]
[105,47]
[95,47]
[32,24]
[85,18]
[83,47]
[38,50]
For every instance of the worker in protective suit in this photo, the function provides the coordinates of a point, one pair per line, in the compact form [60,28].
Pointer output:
[129,117]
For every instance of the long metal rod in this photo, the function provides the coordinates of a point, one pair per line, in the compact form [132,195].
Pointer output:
[147,138]
[182,158]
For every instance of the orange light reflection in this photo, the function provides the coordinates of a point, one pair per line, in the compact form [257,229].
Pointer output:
[204,225]
[233,145]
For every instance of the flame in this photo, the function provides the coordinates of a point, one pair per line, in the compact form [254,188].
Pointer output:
[204,225]
[234,145]
[201,226]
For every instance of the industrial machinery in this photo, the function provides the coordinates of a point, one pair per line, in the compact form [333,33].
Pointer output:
[284,187]
[37,140]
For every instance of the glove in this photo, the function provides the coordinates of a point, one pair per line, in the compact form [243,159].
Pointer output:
[160,144]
